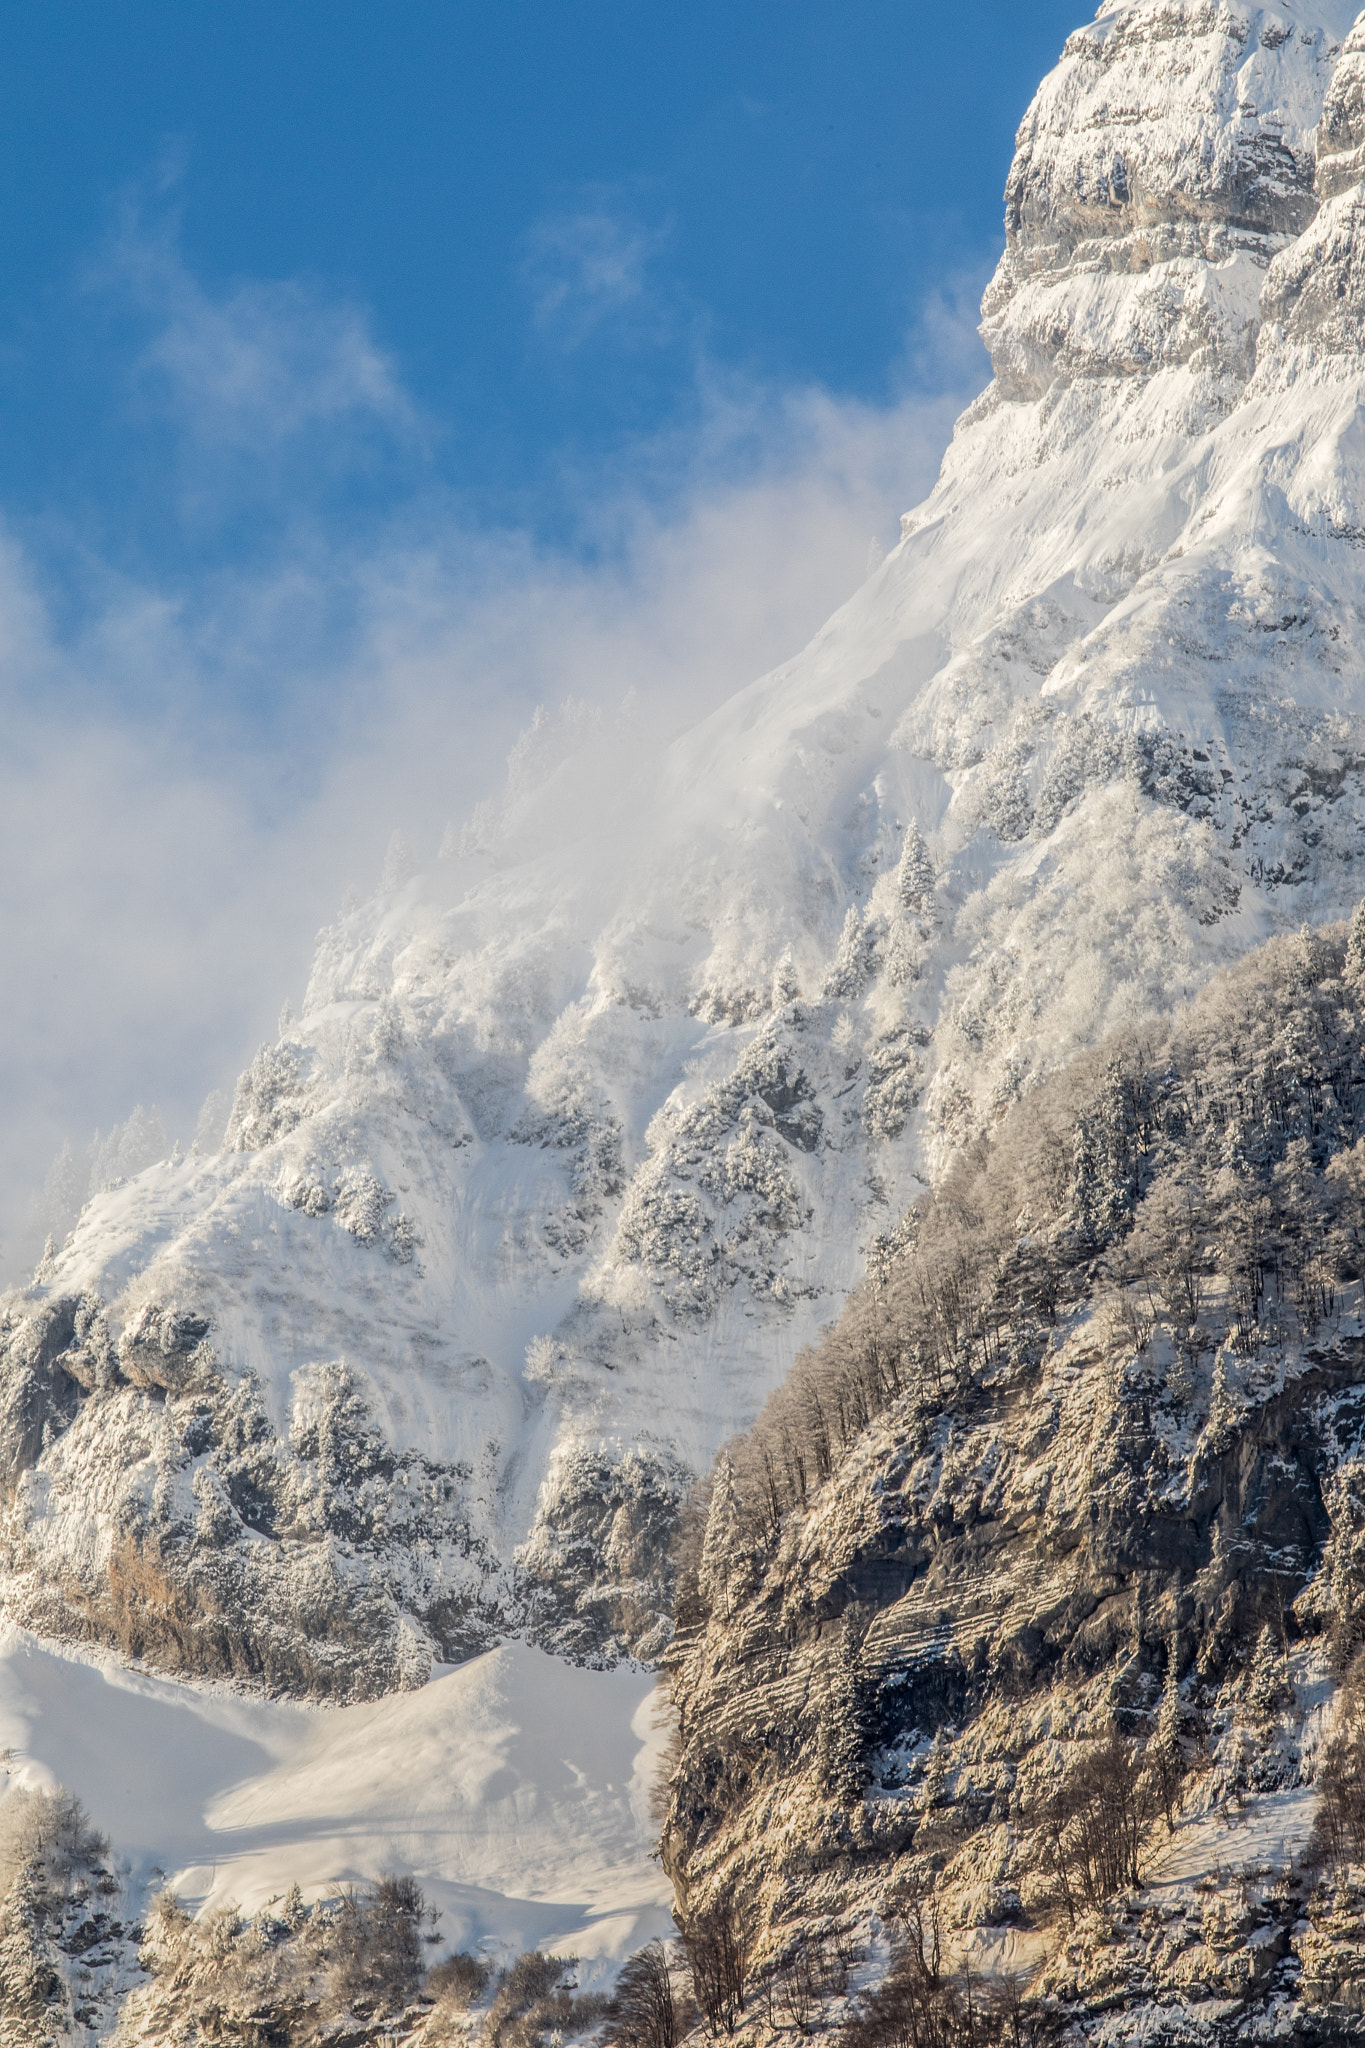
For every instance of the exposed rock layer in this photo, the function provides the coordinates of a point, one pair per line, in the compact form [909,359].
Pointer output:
[1108,1492]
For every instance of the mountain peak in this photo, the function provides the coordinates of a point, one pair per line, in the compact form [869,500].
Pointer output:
[588,1128]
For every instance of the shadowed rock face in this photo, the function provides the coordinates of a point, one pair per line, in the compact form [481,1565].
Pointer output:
[1033,1536]
[314,1560]
[39,1389]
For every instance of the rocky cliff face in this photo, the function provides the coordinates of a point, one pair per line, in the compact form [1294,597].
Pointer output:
[587,1128]
[1066,1512]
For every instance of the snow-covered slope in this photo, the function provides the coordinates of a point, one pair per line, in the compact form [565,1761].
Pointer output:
[584,1130]
[516,1789]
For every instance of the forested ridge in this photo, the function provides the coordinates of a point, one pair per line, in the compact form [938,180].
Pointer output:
[1200,1180]
[1033,1590]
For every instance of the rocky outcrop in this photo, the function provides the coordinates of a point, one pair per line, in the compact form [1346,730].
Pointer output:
[311,1560]
[1160,167]
[1314,294]
[1073,1493]
[1341,126]
[38,1394]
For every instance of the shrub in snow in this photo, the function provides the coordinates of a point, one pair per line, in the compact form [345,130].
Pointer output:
[533,2004]
[458,1980]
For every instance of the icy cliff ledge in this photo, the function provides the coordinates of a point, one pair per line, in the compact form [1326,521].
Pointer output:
[588,1127]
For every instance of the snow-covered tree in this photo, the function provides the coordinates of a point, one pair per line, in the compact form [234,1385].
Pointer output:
[915,874]
[786,987]
[400,861]
[1354,971]
[127,1149]
[849,969]
[55,1209]
[1168,1752]
[210,1123]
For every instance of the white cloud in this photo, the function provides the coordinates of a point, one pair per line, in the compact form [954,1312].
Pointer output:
[270,388]
[272,358]
[588,268]
[167,849]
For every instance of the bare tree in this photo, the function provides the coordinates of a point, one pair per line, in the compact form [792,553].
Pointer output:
[1339,1826]
[645,2012]
[717,1944]
[1094,1824]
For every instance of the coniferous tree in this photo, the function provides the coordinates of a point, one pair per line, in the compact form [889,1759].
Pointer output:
[915,873]
[1354,970]
[851,965]
[724,1552]
[1267,1683]
[785,987]
[1166,1751]
[842,1740]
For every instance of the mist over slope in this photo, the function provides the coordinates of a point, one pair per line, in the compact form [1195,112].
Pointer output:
[584,1130]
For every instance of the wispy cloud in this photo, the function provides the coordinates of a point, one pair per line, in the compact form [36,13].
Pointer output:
[263,391]
[265,357]
[166,852]
[270,358]
[589,268]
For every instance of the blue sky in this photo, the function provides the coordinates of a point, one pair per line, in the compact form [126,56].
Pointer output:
[370,373]
[547,215]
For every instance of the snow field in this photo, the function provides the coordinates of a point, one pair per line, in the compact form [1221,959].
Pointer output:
[515,1788]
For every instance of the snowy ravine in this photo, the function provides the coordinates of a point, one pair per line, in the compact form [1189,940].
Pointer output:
[584,1130]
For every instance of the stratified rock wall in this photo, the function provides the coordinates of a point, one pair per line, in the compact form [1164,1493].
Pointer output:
[1079,1477]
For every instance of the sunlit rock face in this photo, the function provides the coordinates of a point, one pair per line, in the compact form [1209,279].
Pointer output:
[1064,1517]
[588,1127]
[1160,166]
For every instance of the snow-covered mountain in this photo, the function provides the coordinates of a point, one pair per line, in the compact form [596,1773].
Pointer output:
[586,1129]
